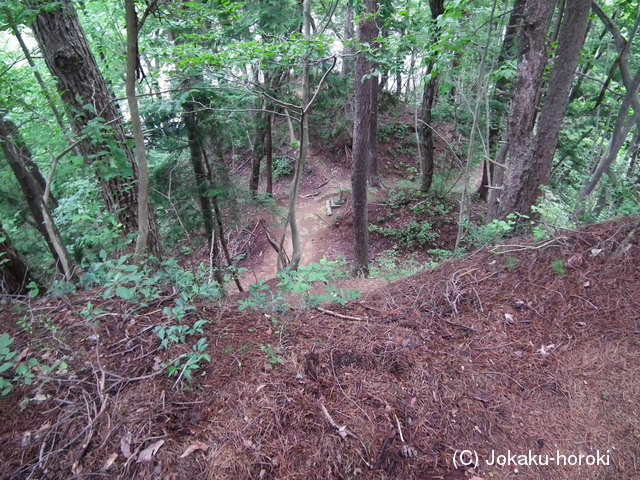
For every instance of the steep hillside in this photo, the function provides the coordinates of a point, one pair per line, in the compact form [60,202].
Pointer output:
[524,350]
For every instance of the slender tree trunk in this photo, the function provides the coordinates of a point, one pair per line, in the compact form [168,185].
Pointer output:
[364,86]
[33,187]
[500,100]
[621,130]
[349,33]
[429,96]
[14,273]
[537,17]
[269,153]
[372,155]
[296,243]
[259,149]
[91,109]
[27,55]
[203,182]
[202,190]
[133,62]
[625,121]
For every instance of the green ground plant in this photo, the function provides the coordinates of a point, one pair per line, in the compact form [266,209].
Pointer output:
[16,371]
[187,364]
[142,284]
[272,353]
[299,284]
[416,234]
[389,266]
[558,268]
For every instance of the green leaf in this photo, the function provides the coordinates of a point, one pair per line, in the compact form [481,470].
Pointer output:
[5,340]
[125,293]
[5,366]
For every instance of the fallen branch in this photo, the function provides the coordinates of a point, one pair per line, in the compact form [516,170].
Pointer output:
[339,315]
[273,242]
[509,248]
[324,183]
[342,430]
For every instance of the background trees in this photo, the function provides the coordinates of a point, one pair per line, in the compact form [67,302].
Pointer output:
[224,90]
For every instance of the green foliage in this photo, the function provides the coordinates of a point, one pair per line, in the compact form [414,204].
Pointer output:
[185,365]
[142,283]
[7,362]
[176,334]
[300,283]
[91,313]
[303,280]
[433,207]
[272,353]
[553,214]
[389,266]
[557,266]
[389,132]
[261,298]
[282,167]
[416,234]
[441,255]
[87,228]
[24,372]
[479,236]
[408,172]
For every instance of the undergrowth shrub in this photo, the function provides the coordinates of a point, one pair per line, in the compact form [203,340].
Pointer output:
[300,283]
[15,370]
[142,284]
[416,234]
[389,266]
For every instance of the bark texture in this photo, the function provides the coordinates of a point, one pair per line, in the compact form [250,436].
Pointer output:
[364,84]
[91,109]
[508,197]
[429,96]
[490,175]
[33,188]
[14,274]
[573,32]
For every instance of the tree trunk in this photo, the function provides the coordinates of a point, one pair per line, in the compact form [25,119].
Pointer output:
[91,109]
[202,190]
[372,155]
[259,149]
[27,55]
[364,85]
[14,273]
[622,128]
[347,50]
[429,96]
[296,243]
[500,99]
[624,124]
[572,35]
[133,62]
[523,111]
[269,147]
[33,187]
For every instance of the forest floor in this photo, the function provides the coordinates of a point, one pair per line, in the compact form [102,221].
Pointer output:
[524,349]
[525,353]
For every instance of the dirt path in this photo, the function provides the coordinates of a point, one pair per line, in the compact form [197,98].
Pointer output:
[320,234]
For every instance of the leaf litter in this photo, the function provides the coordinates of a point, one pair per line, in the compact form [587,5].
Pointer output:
[430,369]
